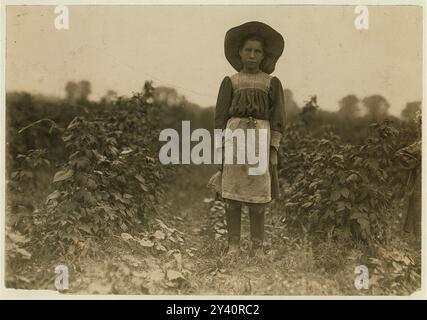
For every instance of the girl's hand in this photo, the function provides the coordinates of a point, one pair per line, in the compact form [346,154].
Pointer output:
[273,156]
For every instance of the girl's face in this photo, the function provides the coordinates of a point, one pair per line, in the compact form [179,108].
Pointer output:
[251,55]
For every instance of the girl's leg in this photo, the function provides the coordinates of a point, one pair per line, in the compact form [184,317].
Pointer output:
[233,212]
[257,216]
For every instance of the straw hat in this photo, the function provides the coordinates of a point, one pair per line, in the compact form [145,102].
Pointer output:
[274,44]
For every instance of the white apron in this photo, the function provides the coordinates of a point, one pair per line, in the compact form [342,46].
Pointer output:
[237,183]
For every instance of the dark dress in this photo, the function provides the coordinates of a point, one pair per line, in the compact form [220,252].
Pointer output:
[258,96]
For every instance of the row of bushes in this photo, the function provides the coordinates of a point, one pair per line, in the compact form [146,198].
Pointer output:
[106,179]
[338,190]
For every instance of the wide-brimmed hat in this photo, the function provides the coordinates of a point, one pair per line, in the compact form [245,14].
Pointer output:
[274,44]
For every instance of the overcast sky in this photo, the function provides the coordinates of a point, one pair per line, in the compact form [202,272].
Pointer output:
[119,47]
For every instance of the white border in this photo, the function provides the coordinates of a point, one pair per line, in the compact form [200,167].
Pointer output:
[47,294]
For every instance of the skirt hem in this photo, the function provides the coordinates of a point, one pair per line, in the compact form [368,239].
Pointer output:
[232,196]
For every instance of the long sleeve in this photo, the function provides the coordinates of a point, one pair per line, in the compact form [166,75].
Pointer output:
[277,114]
[223,103]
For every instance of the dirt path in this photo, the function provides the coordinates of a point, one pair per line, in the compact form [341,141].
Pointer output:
[276,274]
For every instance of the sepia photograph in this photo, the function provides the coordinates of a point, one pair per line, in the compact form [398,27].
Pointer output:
[213,150]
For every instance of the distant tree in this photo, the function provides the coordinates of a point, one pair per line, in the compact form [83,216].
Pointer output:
[71,91]
[78,92]
[291,106]
[376,106]
[410,110]
[19,109]
[109,96]
[349,107]
[309,111]
[85,90]
[168,96]
[19,99]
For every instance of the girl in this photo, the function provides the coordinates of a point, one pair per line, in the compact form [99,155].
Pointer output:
[250,99]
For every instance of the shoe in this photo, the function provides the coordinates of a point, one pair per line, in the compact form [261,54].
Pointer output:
[256,249]
[233,249]
[232,254]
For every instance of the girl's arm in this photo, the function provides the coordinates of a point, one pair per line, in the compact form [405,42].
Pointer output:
[223,103]
[277,113]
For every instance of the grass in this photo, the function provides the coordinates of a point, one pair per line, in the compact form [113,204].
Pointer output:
[294,265]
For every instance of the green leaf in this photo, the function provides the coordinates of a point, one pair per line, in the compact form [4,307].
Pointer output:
[140,178]
[159,235]
[73,155]
[160,247]
[338,156]
[341,206]
[126,151]
[74,123]
[407,261]
[91,184]
[55,194]
[345,192]
[146,243]
[88,198]
[355,215]
[364,223]
[16,237]
[150,159]
[126,236]
[156,275]
[335,195]
[81,162]
[328,213]
[85,228]
[352,178]
[67,138]
[27,174]
[24,253]
[307,205]
[174,275]
[63,175]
